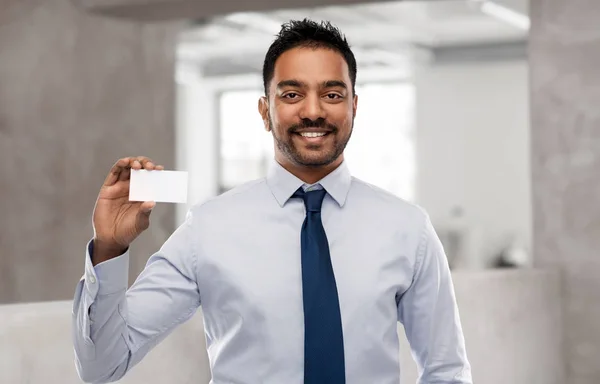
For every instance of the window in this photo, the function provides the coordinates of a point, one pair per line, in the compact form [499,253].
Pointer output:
[246,148]
[381,150]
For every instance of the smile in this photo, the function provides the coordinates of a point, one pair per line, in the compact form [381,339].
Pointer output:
[313,137]
[312,134]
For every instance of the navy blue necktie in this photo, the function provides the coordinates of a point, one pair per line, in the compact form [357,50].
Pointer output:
[323,336]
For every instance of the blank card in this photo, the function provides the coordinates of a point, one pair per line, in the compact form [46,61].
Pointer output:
[158,186]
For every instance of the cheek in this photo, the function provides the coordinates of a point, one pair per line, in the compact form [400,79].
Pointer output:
[282,118]
[343,118]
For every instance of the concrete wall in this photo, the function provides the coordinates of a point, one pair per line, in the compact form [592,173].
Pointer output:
[77,92]
[565,88]
[508,340]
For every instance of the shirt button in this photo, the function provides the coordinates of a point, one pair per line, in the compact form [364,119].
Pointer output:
[92,280]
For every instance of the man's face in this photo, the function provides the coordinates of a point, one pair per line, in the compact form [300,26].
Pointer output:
[310,107]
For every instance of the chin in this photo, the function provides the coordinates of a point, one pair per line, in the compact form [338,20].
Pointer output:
[315,162]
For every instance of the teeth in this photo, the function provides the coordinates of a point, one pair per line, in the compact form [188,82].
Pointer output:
[312,134]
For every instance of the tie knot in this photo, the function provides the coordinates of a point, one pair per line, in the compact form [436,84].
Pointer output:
[312,199]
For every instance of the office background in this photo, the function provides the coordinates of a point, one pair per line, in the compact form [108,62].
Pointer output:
[489,121]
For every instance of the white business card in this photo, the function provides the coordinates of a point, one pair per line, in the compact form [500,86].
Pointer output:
[158,186]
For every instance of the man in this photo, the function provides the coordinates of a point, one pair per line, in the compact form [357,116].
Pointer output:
[302,276]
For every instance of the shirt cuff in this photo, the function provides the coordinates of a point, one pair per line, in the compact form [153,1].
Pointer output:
[108,277]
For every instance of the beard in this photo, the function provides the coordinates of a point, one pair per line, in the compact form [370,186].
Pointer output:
[311,155]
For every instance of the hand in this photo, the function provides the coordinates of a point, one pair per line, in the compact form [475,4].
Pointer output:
[118,221]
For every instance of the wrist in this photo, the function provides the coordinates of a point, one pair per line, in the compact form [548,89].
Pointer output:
[103,251]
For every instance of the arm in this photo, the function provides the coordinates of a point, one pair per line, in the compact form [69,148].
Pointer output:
[114,328]
[430,316]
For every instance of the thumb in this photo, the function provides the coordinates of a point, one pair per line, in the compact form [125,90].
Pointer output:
[143,215]
[146,207]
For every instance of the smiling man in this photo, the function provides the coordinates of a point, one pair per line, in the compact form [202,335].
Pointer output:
[312,105]
[302,275]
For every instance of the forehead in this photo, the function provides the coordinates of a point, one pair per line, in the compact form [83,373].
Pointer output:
[311,65]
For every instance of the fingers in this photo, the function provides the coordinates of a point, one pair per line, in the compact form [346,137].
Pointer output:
[121,170]
[115,171]
[142,162]
[125,174]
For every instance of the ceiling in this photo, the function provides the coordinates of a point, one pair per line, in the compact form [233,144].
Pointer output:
[382,34]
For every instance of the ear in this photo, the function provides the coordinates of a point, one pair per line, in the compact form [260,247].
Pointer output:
[263,109]
[354,105]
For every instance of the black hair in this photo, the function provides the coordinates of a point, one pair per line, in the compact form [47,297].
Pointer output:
[309,34]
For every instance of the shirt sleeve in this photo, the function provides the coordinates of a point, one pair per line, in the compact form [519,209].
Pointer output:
[113,327]
[429,313]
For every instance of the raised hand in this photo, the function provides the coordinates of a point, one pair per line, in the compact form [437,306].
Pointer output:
[118,221]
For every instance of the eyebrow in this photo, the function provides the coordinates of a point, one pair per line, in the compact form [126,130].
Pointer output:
[300,84]
[334,83]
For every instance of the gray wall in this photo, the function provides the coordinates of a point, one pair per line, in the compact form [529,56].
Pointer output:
[565,75]
[76,93]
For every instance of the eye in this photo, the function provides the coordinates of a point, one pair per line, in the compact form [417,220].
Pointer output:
[333,96]
[291,95]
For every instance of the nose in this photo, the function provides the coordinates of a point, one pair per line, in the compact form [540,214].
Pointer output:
[312,108]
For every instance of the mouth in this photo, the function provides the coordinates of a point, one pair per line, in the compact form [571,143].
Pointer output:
[313,137]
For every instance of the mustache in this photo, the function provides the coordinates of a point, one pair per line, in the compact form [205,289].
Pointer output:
[308,123]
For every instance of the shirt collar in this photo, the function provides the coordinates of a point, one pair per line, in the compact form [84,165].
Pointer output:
[283,184]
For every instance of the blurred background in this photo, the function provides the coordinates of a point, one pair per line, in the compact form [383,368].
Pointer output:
[482,112]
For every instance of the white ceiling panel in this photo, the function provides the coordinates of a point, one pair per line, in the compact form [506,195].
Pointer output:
[388,27]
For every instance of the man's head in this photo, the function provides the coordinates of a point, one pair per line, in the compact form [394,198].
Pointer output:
[309,77]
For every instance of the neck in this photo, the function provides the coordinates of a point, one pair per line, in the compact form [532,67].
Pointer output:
[309,175]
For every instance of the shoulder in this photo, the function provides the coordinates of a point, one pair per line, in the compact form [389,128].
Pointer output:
[389,211]
[385,201]
[405,219]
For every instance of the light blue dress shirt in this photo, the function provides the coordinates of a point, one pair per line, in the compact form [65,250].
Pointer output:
[238,256]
